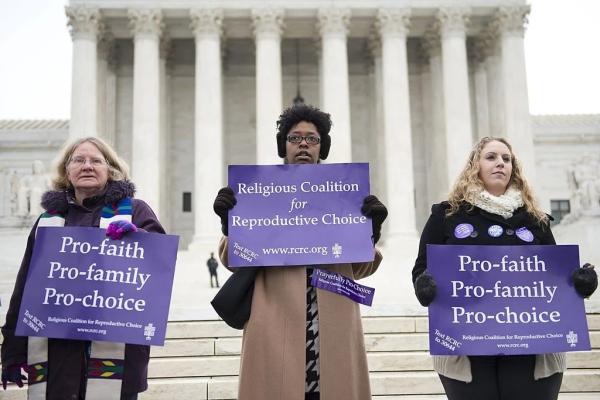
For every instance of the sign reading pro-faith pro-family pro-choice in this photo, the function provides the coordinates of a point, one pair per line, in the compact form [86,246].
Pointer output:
[83,285]
[505,300]
[299,215]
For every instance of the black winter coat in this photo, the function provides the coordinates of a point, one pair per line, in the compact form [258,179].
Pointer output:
[439,229]
[66,358]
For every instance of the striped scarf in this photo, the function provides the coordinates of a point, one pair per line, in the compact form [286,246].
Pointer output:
[106,359]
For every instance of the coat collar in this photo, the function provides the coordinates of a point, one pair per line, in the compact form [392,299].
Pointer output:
[59,200]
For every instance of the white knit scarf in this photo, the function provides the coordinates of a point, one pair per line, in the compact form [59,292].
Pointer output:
[504,205]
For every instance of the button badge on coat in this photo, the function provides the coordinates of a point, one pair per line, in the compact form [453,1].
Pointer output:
[495,230]
[525,234]
[463,230]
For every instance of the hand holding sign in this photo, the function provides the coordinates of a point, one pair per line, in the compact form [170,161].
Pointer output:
[585,280]
[374,209]
[117,229]
[425,289]
[12,373]
[224,202]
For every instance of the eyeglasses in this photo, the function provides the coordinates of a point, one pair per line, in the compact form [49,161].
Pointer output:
[310,140]
[94,162]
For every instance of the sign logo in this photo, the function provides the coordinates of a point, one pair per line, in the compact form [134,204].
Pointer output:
[149,331]
[336,249]
[572,338]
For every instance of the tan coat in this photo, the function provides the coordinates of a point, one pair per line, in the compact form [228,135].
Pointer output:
[274,344]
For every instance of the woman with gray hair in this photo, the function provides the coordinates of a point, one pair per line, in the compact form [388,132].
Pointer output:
[91,188]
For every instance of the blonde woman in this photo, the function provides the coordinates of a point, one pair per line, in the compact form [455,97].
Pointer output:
[491,203]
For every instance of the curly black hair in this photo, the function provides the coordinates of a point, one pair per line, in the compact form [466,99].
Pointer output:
[293,115]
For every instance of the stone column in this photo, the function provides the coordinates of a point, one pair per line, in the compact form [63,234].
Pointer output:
[493,69]
[457,105]
[319,50]
[208,134]
[111,95]
[146,26]
[478,53]
[85,24]
[393,27]
[333,27]
[377,150]
[164,136]
[511,22]
[436,164]
[268,26]
[106,88]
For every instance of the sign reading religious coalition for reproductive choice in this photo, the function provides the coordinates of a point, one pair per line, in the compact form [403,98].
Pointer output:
[83,285]
[299,215]
[495,300]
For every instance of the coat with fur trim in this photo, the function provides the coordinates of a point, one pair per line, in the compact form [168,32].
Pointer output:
[66,365]
[273,359]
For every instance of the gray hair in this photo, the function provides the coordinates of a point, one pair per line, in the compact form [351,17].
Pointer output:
[118,170]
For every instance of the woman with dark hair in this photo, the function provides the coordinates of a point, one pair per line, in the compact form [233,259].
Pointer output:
[91,188]
[492,197]
[301,342]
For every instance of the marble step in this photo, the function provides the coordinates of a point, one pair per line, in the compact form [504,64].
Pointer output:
[218,329]
[374,342]
[561,396]
[212,366]
[371,325]
[382,384]
[233,345]
[385,384]
[184,389]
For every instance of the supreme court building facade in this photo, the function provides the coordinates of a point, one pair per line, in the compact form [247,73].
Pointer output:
[184,88]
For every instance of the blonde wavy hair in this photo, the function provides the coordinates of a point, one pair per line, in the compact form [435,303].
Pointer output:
[118,170]
[468,184]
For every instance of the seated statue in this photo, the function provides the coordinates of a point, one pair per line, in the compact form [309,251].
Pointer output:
[584,183]
[30,190]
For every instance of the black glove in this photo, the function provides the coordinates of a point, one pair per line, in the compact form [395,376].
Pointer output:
[585,280]
[224,202]
[375,210]
[425,289]
[12,373]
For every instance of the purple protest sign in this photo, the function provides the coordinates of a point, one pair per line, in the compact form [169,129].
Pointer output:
[342,285]
[83,285]
[494,300]
[299,215]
